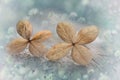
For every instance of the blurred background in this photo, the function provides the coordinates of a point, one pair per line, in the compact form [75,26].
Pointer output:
[45,14]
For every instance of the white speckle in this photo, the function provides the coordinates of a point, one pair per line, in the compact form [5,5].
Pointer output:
[27,17]
[78,79]
[23,70]
[117,53]
[73,14]
[103,77]
[85,76]
[81,19]
[11,30]
[37,79]
[114,32]
[91,71]
[85,2]
[33,11]
[41,13]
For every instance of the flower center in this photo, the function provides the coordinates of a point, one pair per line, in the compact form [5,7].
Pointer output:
[29,41]
[73,44]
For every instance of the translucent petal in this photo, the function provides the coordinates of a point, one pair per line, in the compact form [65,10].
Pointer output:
[36,49]
[58,51]
[16,46]
[65,31]
[41,36]
[87,35]
[81,55]
[24,28]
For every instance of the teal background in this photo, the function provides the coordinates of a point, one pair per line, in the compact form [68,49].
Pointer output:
[45,14]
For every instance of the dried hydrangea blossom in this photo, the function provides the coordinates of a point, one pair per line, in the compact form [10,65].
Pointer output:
[36,48]
[75,42]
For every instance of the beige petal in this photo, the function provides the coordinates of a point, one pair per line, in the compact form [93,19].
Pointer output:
[87,35]
[24,28]
[16,46]
[58,51]
[41,36]
[36,49]
[81,55]
[65,31]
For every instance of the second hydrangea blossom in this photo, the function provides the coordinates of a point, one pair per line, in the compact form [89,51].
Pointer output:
[74,42]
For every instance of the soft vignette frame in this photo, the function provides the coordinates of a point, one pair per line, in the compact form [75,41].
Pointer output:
[109,25]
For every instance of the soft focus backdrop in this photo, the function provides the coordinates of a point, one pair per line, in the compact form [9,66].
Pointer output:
[45,14]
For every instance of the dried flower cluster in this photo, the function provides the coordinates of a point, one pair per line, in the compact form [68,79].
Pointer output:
[36,48]
[73,42]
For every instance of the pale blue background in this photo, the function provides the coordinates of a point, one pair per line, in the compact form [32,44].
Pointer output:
[45,14]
